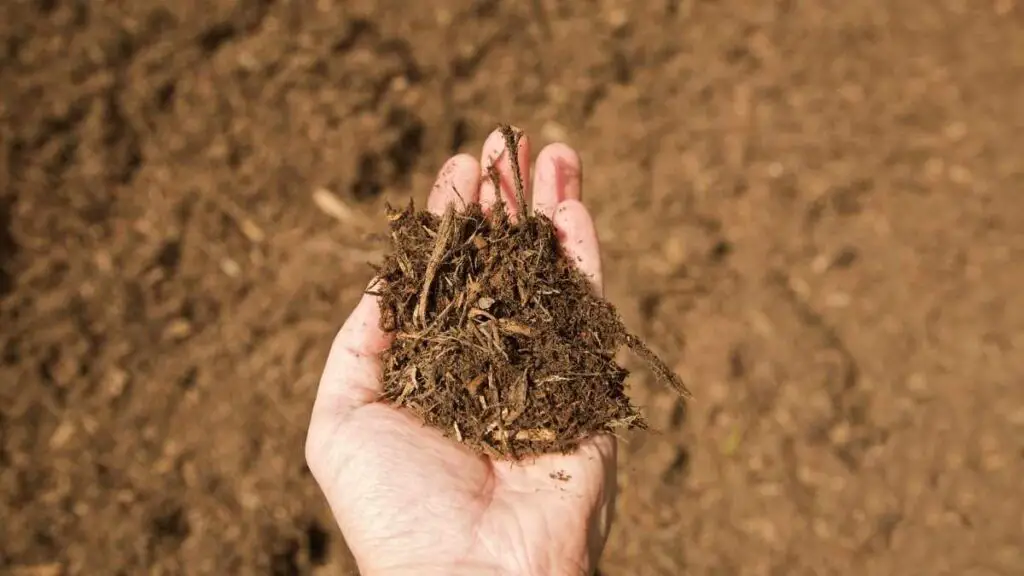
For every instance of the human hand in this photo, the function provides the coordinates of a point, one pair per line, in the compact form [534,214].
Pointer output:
[411,501]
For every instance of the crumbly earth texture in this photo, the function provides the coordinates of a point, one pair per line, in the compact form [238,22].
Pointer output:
[500,342]
[814,210]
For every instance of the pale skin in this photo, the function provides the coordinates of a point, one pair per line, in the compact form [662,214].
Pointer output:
[410,501]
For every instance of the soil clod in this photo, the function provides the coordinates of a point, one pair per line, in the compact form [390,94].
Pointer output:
[500,342]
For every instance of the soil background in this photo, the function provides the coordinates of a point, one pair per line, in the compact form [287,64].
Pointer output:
[815,210]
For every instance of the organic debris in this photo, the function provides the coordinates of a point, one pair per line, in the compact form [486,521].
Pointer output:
[500,342]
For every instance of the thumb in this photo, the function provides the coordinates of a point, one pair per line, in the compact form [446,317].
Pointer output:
[351,376]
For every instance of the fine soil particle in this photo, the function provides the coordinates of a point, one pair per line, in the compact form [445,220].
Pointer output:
[560,475]
[500,341]
[170,281]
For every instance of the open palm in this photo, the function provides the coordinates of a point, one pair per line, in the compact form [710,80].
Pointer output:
[411,501]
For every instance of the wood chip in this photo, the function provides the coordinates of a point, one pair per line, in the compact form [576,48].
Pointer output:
[513,327]
[474,384]
[51,569]
[445,231]
[331,205]
[530,435]
[518,399]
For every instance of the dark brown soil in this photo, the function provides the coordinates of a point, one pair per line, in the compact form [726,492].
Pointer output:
[813,209]
[500,342]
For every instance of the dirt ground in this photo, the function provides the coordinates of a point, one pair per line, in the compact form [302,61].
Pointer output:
[814,209]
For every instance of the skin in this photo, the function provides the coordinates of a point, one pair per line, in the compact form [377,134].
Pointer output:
[410,501]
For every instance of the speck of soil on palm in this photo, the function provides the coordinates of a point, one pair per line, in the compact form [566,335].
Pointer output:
[500,342]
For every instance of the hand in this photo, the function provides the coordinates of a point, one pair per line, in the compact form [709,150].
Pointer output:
[410,501]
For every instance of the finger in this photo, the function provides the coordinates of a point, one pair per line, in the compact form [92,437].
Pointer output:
[494,154]
[458,182]
[558,176]
[351,376]
[579,239]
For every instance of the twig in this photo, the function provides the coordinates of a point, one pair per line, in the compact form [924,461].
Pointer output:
[331,205]
[512,137]
[499,201]
[237,214]
[661,370]
[416,336]
[520,395]
[528,435]
[445,230]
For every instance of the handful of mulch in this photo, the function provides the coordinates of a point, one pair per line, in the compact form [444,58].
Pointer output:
[500,342]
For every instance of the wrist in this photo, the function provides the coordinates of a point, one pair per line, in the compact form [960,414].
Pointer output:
[460,570]
[439,571]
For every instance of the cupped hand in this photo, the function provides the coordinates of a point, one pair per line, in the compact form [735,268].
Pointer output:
[411,501]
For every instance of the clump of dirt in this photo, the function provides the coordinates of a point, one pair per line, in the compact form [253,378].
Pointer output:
[500,341]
